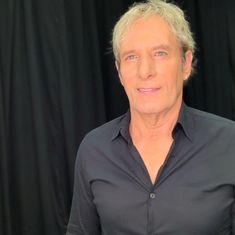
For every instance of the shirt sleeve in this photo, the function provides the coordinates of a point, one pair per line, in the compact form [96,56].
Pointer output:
[84,219]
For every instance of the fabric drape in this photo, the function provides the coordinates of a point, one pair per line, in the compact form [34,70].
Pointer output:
[58,81]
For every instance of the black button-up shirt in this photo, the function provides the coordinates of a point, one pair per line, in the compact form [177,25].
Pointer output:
[193,194]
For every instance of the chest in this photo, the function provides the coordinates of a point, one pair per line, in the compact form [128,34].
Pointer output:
[194,195]
[154,155]
[124,205]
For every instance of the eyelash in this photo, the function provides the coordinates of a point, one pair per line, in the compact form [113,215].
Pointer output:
[157,53]
[131,57]
[160,53]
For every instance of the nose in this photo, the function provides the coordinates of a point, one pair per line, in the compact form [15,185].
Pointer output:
[146,67]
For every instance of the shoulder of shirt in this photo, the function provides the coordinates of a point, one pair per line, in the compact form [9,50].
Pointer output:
[104,132]
[210,119]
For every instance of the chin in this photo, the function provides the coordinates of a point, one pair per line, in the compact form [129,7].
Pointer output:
[149,110]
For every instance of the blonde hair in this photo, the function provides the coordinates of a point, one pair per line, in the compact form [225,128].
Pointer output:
[170,12]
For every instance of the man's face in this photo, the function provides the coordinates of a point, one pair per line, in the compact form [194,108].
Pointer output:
[151,67]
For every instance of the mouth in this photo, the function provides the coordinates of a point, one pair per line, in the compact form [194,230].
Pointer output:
[148,90]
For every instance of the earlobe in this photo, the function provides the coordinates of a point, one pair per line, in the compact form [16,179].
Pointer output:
[120,78]
[117,64]
[188,64]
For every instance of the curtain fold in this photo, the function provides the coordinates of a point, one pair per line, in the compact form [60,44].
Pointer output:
[58,81]
[212,87]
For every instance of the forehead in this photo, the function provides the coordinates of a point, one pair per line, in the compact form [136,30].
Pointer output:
[148,31]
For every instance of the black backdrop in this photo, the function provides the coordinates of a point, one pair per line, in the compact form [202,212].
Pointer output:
[58,81]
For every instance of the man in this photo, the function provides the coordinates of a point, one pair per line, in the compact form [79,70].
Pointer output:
[162,168]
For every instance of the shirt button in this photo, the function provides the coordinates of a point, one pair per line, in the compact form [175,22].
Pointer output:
[152,195]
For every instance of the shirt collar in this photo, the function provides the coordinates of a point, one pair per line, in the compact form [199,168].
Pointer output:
[123,127]
[185,121]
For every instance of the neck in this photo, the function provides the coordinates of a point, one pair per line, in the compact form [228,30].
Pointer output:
[154,125]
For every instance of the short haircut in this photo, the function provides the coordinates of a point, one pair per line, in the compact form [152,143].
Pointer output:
[170,12]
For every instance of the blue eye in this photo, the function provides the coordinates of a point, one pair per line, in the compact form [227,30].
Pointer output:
[160,53]
[131,57]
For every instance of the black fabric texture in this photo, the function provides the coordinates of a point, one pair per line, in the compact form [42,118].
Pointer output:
[193,192]
[58,81]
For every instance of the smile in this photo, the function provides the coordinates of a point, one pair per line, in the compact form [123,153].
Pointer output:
[148,90]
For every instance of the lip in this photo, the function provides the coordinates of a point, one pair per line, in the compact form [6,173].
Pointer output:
[150,90]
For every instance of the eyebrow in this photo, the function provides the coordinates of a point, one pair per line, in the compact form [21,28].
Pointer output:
[162,46]
[127,53]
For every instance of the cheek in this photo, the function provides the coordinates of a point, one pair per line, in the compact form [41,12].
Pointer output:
[174,79]
[127,75]
[128,68]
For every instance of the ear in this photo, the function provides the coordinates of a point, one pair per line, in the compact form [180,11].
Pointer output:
[117,64]
[187,66]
